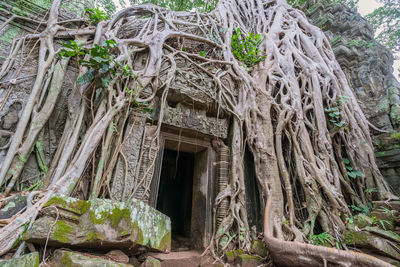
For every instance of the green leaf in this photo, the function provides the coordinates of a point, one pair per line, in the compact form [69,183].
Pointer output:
[352,175]
[371,190]
[346,161]
[349,168]
[105,81]
[358,173]
[332,109]
[86,77]
[339,124]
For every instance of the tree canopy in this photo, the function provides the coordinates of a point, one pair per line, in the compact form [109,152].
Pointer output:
[386,21]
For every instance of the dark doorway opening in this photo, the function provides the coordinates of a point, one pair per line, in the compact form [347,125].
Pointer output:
[175,192]
[253,204]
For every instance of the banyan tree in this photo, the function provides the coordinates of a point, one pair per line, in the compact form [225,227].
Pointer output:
[250,94]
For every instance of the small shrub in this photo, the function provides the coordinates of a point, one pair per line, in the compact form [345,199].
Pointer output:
[323,239]
[95,15]
[100,62]
[351,172]
[246,49]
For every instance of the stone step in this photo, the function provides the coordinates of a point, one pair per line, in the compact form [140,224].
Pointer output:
[178,259]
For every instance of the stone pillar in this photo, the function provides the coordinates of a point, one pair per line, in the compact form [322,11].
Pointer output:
[147,162]
[122,185]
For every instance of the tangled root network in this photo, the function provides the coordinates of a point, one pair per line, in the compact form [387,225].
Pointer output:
[278,109]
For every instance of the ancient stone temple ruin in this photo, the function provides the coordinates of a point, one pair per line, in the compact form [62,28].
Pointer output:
[157,186]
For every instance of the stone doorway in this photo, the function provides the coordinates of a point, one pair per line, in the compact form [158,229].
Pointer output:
[175,194]
[182,186]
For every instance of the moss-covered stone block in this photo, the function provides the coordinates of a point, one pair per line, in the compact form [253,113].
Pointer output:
[231,255]
[73,205]
[151,262]
[102,224]
[208,261]
[257,247]
[63,258]
[13,206]
[28,260]
[362,220]
[245,260]
[372,242]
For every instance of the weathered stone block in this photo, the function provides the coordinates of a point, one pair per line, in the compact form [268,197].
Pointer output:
[245,260]
[376,244]
[257,247]
[122,186]
[362,220]
[75,259]
[231,255]
[151,262]
[28,260]
[102,224]
[14,205]
[208,261]
[196,119]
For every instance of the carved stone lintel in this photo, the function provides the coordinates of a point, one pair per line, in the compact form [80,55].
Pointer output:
[197,120]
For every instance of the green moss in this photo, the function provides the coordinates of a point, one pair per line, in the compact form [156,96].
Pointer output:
[249,260]
[150,261]
[9,35]
[114,216]
[25,8]
[10,205]
[231,255]
[258,248]
[384,233]
[28,260]
[62,231]
[384,104]
[66,260]
[72,204]
[165,243]
[249,257]
[91,236]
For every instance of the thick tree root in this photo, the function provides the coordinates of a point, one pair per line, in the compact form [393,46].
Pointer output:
[280,110]
[285,253]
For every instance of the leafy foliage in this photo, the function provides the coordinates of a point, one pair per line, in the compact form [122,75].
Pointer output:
[71,49]
[386,211]
[360,209]
[100,62]
[380,222]
[386,19]
[180,5]
[323,238]
[334,116]
[371,190]
[396,135]
[246,49]
[296,2]
[351,172]
[350,3]
[95,15]
[108,6]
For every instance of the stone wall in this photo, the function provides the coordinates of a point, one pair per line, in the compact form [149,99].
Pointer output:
[16,86]
[368,67]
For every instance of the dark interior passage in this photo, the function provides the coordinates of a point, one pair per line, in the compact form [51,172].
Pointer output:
[175,190]
[253,204]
